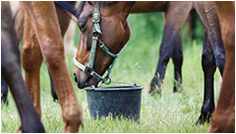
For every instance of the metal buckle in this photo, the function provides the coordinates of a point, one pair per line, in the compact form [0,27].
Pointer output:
[88,70]
[96,17]
[107,80]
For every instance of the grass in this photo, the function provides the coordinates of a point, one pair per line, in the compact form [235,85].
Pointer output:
[171,112]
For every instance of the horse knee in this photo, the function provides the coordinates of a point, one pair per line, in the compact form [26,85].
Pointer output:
[31,55]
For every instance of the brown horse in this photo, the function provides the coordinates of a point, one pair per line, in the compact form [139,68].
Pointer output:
[42,40]
[175,15]
[11,72]
[223,119]
[64,19]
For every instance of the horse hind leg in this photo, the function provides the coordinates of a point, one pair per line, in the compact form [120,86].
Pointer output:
[31,61]
[175,17]
[177,58]
[209,68]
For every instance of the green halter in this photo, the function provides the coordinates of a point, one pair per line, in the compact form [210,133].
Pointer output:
[89,69]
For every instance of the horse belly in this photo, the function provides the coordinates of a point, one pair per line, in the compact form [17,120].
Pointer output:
[150,6]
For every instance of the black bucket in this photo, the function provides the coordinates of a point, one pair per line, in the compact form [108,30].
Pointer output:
[116,101]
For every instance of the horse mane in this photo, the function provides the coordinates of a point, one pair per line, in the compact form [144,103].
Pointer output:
[80,8]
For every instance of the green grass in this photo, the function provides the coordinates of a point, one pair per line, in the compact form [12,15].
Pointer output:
[171,112]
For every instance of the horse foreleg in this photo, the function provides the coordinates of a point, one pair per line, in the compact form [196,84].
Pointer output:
[64,19]
[45,24]
[31,61]
[11,72]
[177,58]
[209,68]
[175,17]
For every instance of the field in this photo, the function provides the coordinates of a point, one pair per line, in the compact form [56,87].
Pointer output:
[171,112]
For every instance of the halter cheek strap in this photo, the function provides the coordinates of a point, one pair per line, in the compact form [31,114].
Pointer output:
[89,69]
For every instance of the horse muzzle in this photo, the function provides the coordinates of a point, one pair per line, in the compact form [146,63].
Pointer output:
[84,80]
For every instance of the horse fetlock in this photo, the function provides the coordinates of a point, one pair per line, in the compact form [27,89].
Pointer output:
[73,120]
[155,86]
[204,118]
[177,87]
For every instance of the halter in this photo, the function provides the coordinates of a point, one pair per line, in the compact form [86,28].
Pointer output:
[96,34]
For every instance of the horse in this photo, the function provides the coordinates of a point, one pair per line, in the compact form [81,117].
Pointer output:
[223,120]
[17,19]
[42,40]
[67,35]
[88,71]
[11,72]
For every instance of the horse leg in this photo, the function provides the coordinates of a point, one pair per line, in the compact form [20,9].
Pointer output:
[64,19]
[11,72]
[4,91]
[177,58]
[209,68]
[175,16]
[17,20]
[31,62]
[51,46]
[53,90]
[223,119]
[209,17]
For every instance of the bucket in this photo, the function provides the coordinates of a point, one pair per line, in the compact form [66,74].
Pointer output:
[118,101]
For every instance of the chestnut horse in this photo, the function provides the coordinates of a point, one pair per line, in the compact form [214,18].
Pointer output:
[11,72]
[113,17]
[223,119]
[64,19]
[42,40]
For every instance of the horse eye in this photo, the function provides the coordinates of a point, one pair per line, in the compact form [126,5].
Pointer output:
[82,26]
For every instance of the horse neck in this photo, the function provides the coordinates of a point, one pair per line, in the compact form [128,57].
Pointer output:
[122,9]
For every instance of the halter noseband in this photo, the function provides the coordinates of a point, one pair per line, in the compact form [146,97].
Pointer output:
[96,34]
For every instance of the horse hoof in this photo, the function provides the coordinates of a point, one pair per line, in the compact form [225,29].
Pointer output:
[155,90]
[201,120]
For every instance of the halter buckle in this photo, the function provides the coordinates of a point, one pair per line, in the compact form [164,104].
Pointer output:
[88,70]
[96,17]
[107,80]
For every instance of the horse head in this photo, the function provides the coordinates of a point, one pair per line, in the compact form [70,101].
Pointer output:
[104,30]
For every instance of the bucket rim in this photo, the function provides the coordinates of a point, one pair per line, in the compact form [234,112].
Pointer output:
[115,88]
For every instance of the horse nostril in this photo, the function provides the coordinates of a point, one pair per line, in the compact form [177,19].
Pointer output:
[75,78]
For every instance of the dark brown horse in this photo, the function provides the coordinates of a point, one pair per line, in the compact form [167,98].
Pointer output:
[11,72]
[115,13]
